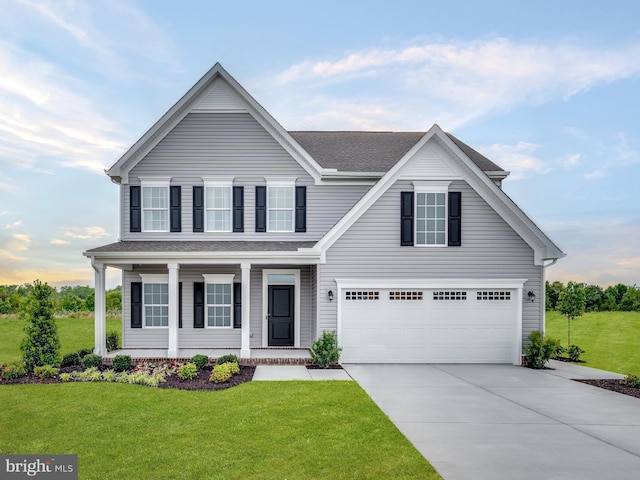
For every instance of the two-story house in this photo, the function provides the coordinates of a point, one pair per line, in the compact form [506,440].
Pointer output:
[237,235]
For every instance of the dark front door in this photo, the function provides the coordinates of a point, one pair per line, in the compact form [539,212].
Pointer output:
[281,308]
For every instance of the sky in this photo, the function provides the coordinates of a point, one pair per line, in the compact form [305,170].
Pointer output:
[548,90]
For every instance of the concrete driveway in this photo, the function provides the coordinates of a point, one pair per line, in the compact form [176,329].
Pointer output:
[504,422]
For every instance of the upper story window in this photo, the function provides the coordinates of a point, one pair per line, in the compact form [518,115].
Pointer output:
[280,204]
[155,205]
[431,213]
[218,204]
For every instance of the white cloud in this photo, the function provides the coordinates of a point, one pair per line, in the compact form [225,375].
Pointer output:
[13,225]
[86,233]
[519,159]
[450,83]
[594,175]
[19,242]
[571,160]
[57,241]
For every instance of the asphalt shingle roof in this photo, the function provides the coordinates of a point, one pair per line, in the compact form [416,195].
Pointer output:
[371,151]
[180,246]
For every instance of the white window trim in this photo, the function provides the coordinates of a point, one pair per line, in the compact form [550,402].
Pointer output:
[431,187]
[152,278]
[225,182]
[265,304]
[155,182]
[289,182]
[217,279]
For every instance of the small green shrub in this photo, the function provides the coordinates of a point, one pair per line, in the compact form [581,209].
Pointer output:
[234,368]
[92,360]
[539,350]
[187,371]
[200,361]
[221,373]
[109,375]
[85,351]
[556,348]
[574,352]
[230,358]
[325,351]
[45,371]
[632,381]
[65,377]
[122,363]
[71,359]
[113,341]
[12,370]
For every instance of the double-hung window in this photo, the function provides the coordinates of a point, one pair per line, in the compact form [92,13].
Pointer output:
[155,298]
[219,301]
[431,213]
[218,204]
[155,205]
[280,204]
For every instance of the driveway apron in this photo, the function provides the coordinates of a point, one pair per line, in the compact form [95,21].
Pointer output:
[475,422]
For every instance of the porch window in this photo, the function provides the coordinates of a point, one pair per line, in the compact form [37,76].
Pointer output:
[219,301]
[156,304]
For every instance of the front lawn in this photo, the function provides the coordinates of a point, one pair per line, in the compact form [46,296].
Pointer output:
[610,339]
[74,333]
[262,430]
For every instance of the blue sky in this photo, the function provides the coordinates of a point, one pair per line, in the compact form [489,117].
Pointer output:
[548,90]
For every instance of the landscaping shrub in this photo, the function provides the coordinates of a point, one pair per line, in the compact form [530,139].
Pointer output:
[221,373]
[113,341]
[632,381]
[325,351]
[574,352]
[45,371]
[227,359]
[71,359]
[12,370]
[65,377]
[540,350]
[187,371]
[92,360]
[41,345]
[200,361]
[122,363]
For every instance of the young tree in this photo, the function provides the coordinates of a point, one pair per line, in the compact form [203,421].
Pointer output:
[571,304]
[41,346]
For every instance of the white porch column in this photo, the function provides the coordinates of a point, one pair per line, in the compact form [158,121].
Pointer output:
[100,322]
[245,351]
[172,351]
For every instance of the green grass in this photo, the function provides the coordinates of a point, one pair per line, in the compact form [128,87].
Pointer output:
[610,339]
[262,430]
[74,333]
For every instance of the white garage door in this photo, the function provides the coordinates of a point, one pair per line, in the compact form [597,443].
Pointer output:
[461,325]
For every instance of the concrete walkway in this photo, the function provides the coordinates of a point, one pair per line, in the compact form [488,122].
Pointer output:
[297,372]
[476,422]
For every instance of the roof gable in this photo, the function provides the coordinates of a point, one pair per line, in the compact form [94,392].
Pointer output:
[458,162]
[216,91]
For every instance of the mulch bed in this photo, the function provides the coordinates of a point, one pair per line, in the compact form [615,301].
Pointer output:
[613,385]
[201,382]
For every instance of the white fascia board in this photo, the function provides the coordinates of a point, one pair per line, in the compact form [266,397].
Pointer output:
[507,283]
[303,256]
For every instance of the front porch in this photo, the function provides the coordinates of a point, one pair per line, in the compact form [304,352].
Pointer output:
[259,356]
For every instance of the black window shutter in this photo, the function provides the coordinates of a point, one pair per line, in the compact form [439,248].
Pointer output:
[180,305]
[261,208]
[237,305]
[301,209]
[135,210]
[238,209]
[198,305]
[406,219]
[175,210]
[136,304]
[455,219]
[198,209]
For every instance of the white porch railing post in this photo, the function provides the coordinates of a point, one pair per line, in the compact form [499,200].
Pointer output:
[100,320]
[245,351]
[172,351]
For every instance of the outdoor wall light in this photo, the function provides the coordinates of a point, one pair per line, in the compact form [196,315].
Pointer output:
[531,295]
[330,295]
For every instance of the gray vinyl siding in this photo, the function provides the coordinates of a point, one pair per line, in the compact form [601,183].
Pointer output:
[233,145]
[189,337]
[371,249]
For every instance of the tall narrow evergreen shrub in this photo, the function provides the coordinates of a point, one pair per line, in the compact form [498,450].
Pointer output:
[41,346]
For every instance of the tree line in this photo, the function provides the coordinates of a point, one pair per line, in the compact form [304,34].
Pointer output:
[618,297]
[64,300]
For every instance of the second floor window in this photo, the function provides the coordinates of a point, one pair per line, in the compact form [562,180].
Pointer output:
[155,208]
[218,208]
[280,208]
